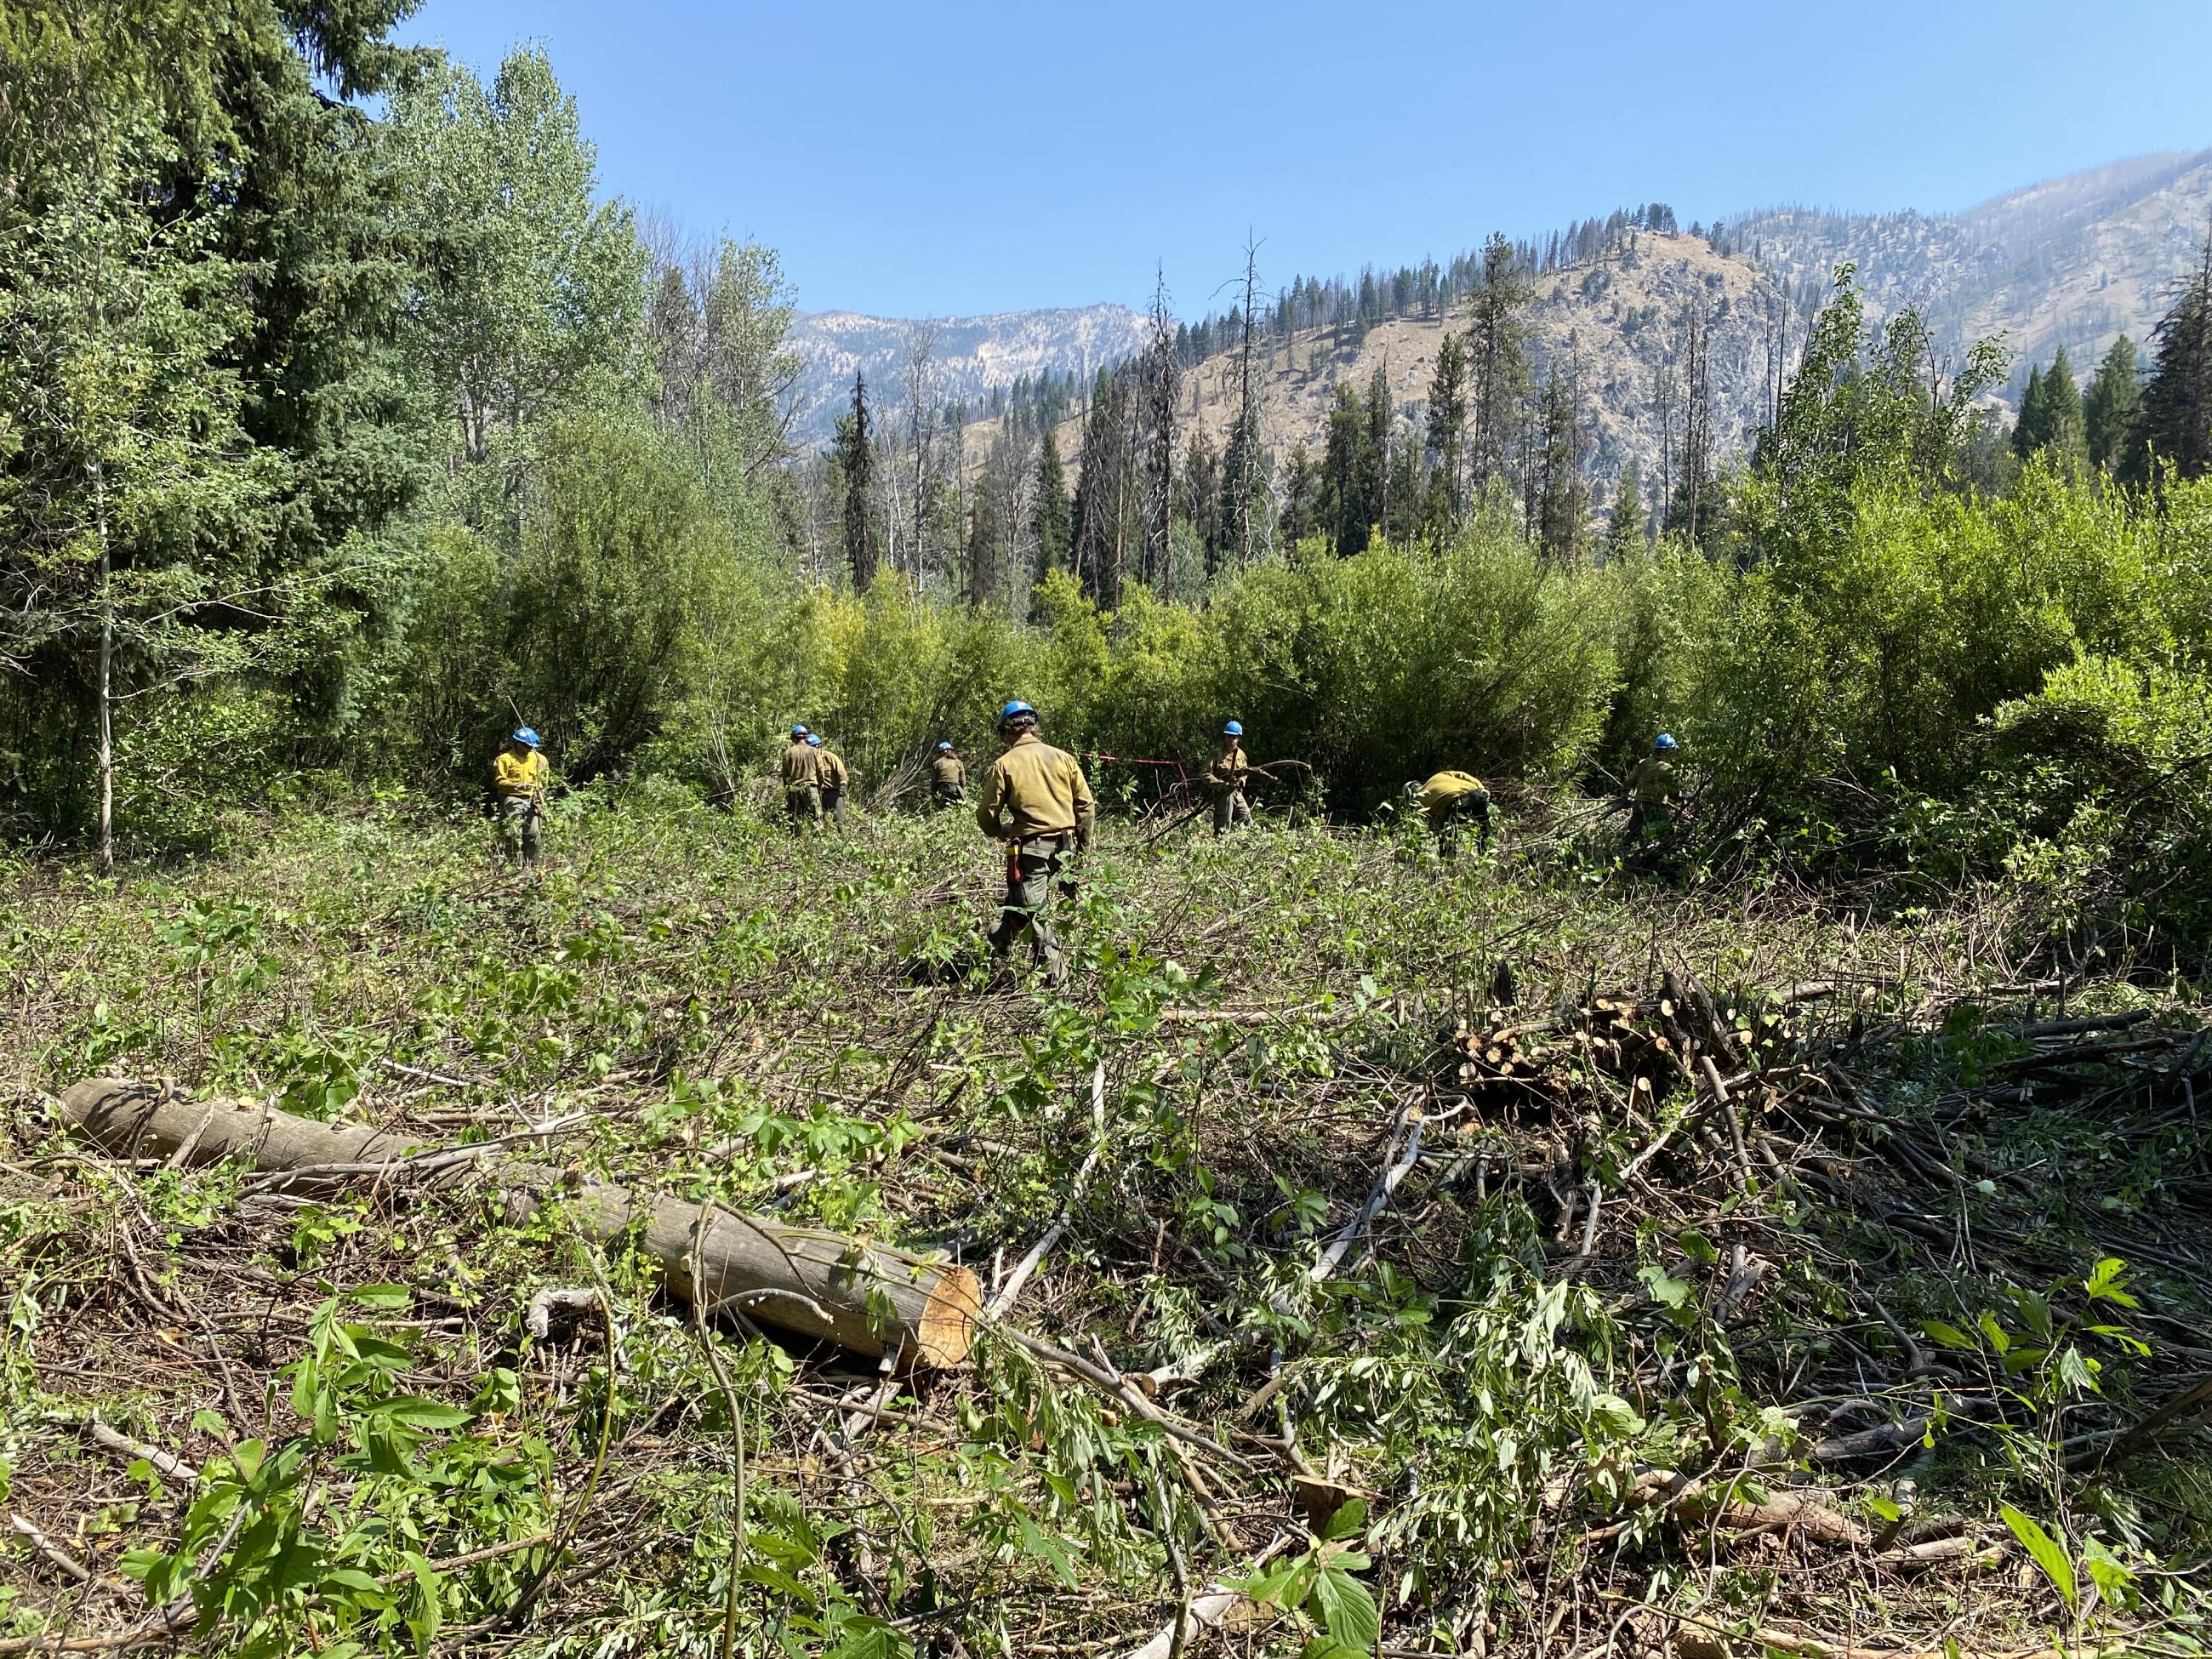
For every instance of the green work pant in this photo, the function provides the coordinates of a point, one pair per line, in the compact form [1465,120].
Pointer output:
[521,827]
[1230,810]
[1030,880]
[804,805]
[1446,821]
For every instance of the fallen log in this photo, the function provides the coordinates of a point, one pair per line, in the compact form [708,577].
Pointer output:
[866,1297]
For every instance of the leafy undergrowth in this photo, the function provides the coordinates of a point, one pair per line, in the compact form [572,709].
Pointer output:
[1863,1344]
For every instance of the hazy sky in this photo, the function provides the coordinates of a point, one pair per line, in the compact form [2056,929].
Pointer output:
[919,159]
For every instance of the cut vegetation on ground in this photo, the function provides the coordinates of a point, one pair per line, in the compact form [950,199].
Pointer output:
[1376,1256]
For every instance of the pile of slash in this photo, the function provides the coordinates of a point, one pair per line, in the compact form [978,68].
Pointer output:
[1893,1146]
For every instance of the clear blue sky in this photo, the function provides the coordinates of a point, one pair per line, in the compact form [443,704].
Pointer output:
[930,159]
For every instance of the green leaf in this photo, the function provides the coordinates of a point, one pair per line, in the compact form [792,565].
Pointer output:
[1272,1587]
[2115,1583]
[1665,1289]
[387,1298]
[2045,1549]
[775,1578]
[412,1412]
[2107,1282]
[1347,1609]
[1950,1336]
[1044,1548]
[1696,1246]
[1347,1522]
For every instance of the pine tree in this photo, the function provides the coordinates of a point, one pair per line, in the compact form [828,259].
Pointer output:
[1499,368]
[2113,406]
[2032,430]
[1301,494]
[1445,505]
[1559,501]
[2176,400]
[982,539]
[1052,512]
[2062,403]
[1342,506]
[1624,532]
[856,460]
[1109,492]
[1374,452]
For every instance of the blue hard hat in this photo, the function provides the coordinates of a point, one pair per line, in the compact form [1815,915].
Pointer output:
[525,734]
[1665,742]
[1234,729]
[943,747]
[813,741]
[798,731]
[1014,709]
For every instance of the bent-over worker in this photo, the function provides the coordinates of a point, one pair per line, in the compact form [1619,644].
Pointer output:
[1036,801]
[948,777]
[1452,799]
[519,776]
[1224,775]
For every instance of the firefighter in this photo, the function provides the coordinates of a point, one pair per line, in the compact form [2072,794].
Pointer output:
[1452,800]
[948,777]
[1651,790]
[1038,803]
[837,778]
[1224,775]
[802,782]
[519,777]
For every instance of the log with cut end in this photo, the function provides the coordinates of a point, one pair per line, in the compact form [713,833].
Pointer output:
[865,1297]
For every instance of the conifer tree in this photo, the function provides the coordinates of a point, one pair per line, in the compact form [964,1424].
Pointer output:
[2176,400]
[856,460]
[1301,494]
[1052,512]
[1444,506]
[1375,452]
[2061,404]
[2030,432]
[2113,406]
[1343,477]
[1500,369]
[1624,532]
[1560,499]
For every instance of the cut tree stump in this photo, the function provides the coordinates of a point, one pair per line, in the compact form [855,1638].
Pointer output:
[865,1297]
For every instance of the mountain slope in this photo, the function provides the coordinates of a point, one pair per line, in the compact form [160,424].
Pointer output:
[1610,325]
[969,357]
[2069,261]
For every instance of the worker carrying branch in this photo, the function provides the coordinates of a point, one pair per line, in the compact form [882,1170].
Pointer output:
[1036,801]
[802,782]
[1224,777]
[519,777]
[1452,800]
[948,777]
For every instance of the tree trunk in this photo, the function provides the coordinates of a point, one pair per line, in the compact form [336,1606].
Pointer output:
[107,678]
[865,1297]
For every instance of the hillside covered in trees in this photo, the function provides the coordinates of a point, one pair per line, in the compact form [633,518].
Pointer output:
[1760,1209]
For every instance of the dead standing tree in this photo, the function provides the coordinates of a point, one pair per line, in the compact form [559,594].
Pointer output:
[1239,479]
[920,383]
[1160,382]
